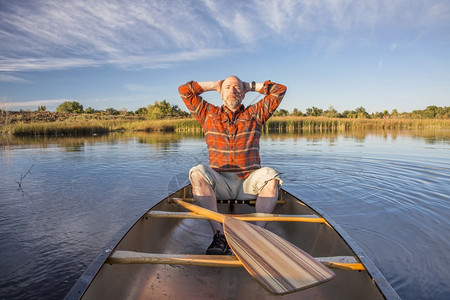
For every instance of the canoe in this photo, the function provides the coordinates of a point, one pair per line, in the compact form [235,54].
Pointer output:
[161,255]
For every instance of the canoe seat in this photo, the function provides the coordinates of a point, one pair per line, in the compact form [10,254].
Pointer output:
[234,201]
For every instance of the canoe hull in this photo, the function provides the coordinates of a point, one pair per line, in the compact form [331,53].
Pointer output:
[192,236]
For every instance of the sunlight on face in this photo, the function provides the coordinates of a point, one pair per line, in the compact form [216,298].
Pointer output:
[232,92]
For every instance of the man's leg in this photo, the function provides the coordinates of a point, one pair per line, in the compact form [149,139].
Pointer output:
[205,197]
[267,200]
[262,184]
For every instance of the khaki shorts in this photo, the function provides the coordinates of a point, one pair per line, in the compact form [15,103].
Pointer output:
[228,186]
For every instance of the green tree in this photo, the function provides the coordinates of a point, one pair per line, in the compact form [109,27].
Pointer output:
[349,114]
[314,112]
[163,109]
[331,112]
[112,111]
[297,112]
[377,115]
[178,112]
[90,110]
[280,113]
[432,112]
[42,108]
[141,111]
[156,111]
[446,112]
[70,107]
[394,113]
[361,113]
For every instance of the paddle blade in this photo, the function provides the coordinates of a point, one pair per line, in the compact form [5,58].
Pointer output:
[277,265]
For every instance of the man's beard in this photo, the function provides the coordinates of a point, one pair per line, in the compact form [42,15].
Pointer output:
[233,102]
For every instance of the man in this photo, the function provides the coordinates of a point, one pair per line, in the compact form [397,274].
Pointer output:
[232,134]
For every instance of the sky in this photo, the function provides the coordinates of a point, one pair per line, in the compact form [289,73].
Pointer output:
[381,55]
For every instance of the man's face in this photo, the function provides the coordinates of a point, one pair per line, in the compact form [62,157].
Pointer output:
[232,92]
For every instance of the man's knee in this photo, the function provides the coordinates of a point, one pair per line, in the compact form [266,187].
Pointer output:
[197,179]
[272,183]
[270,188]
[197,174]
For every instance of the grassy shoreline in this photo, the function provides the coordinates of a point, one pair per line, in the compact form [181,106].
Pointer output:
[78,127]
[299,124]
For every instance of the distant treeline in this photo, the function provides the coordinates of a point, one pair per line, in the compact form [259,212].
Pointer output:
[156,111]
[163,110]
[431,112]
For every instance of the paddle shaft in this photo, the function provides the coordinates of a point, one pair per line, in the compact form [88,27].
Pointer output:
[200,210]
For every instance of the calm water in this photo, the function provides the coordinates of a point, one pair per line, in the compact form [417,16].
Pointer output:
[389,191]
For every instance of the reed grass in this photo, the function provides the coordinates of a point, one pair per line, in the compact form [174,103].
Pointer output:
[274,125]
[89,127]
[301,124]
[57,128]
[167,125]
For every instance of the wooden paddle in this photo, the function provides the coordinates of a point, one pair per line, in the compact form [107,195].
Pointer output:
[277,265]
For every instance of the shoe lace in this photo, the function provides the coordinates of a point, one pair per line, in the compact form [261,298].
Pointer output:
[219,241]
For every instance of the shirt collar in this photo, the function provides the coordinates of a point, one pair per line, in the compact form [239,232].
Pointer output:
[229,112]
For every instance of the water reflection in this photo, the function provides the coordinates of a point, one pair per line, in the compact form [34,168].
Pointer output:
[72,144]
[428,135]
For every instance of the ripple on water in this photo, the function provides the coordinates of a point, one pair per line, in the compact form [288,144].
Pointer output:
[398,211]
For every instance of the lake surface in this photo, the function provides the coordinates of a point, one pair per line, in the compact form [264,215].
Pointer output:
[389,191]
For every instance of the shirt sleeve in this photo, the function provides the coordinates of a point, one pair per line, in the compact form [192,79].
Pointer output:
[265,108]
[197,106]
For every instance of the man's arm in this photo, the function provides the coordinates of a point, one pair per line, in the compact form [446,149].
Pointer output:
[266,107]
[211,85]
[190,94]
[258,86]
[217,85]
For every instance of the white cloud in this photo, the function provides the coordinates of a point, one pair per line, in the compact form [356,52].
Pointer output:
[34,103]
[136,87]
[11,78]
[48,63]
[51,34]
[143,61]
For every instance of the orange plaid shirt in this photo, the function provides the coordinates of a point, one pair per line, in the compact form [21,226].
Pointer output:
[232,138]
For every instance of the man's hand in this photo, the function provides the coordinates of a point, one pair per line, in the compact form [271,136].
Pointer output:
[246,87]
[219,85]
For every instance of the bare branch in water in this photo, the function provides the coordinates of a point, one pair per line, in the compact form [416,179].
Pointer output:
[22,177]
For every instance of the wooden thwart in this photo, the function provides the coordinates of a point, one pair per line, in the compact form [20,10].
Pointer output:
[131,257]
[246,217]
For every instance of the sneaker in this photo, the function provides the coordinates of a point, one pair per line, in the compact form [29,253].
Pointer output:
[219,245]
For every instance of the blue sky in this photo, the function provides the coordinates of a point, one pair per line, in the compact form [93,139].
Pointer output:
[386,54]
